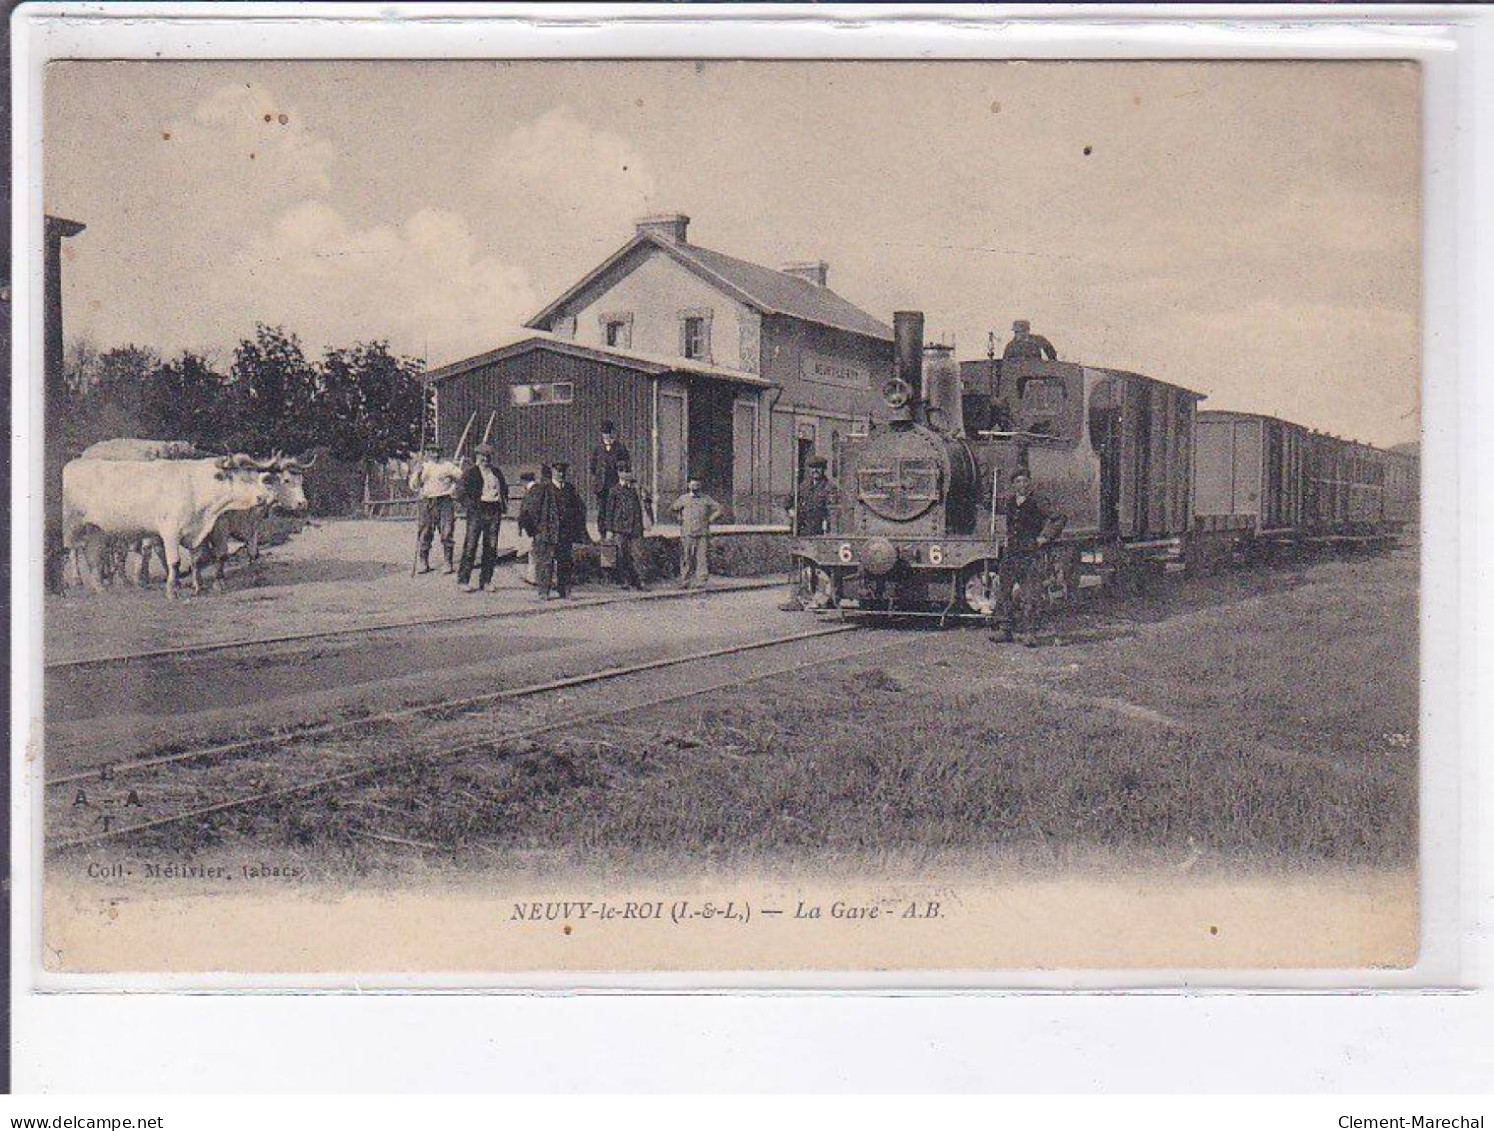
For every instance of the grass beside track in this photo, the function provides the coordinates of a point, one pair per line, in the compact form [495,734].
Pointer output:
[1275,729]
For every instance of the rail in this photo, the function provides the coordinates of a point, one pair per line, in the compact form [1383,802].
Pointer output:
[418,754]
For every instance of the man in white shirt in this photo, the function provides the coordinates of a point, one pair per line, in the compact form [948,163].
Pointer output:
[434,482]
[485,494]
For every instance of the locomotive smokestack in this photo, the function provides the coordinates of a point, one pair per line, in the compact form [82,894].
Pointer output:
[907,332]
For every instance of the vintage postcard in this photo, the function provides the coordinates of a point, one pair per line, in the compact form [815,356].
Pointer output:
[713,517]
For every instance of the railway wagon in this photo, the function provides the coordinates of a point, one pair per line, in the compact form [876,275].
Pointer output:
[1344,486]
[1248,474]
[1402,488]
[920,526]
[1258,476]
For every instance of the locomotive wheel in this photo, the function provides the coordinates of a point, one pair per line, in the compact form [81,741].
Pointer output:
[977,588]
[1060,577]
[815,586]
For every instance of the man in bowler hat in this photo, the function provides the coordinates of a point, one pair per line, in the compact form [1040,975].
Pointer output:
[607,460]
[555,517]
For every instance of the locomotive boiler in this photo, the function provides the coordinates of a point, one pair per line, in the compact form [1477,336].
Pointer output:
[919,526]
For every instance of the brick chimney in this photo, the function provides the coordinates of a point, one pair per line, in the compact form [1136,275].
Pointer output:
[817,272]
[671,225]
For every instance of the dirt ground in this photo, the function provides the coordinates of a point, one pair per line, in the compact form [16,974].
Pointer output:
[336,574]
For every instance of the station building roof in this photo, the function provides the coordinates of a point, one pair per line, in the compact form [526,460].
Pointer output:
[653,365]
[762,288]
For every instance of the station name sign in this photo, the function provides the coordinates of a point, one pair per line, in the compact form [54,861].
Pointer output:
[826,370]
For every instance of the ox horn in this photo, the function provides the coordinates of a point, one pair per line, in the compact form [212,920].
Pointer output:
[300,464]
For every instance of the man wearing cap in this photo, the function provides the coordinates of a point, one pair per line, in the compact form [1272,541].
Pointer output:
[1030,526]
[816,497]
[696,511]
[1027,346]
[555,517]
[434,482]
[624,518]
[486,494]
[810,514]
[607,459]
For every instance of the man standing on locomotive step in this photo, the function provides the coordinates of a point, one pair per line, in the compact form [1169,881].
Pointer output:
[816,497]
[434,481]
[607,459]
[810,514]
[555,517]
[486,494]
[624,518]
[696,511]
[1027,345]
[1030,526]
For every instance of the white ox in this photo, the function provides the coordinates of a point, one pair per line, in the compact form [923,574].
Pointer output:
[176,500]
[128,448]
[244,525]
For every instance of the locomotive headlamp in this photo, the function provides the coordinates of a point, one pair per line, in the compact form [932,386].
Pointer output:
[897,393]
[844,553]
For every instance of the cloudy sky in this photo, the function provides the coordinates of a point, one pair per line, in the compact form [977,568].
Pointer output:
[1250,230]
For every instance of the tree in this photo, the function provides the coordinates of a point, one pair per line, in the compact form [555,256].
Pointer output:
[105,392]
[371,402]
[273,394]
[185,399]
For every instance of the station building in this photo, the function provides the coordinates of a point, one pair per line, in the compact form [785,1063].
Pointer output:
[707,364]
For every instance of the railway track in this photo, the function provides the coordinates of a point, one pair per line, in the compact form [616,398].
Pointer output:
[95,807]
[187,651]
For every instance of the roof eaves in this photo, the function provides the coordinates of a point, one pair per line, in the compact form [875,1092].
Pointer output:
[646,363]
[536,323]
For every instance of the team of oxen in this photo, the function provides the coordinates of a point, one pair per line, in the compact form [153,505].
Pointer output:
[163,496]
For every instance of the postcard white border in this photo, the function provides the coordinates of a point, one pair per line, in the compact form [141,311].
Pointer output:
[1442,39]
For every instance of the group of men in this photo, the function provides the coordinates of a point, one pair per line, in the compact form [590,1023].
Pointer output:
[552,518]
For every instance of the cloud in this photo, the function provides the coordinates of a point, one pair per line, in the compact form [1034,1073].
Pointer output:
[560,187]
[423,284]
[243,131]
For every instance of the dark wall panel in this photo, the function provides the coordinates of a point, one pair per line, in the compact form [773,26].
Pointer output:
[526,436]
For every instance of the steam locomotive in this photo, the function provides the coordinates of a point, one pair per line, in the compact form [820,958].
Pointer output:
[919,526]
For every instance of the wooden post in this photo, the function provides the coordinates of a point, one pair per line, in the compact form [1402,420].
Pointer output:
[54,402]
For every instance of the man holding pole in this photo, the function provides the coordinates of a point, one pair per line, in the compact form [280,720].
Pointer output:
[434,481]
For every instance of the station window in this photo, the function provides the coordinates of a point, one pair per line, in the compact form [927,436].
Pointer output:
[696,344]
[554,392]
[617,329]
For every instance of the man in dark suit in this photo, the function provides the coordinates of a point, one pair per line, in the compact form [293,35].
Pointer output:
[816,498]
[555,517]
[624,519]
[607,458]
[485,493]
[1030,526]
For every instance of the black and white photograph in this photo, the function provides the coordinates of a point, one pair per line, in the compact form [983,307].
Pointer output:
[643,515]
